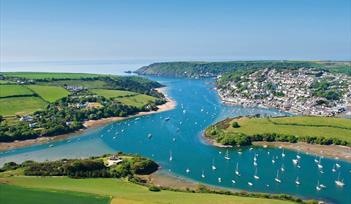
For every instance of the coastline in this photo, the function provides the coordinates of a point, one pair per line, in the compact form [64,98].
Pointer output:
[169,105]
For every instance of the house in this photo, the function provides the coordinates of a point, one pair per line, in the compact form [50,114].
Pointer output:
[27,118]
[113,160]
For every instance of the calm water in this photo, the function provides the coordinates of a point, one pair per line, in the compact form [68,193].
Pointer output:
[197,107]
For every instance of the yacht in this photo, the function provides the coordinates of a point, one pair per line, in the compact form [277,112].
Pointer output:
[149,135]
[295,161]
[283,154]
[219,179]
[322,186]
[337,165]
[167,119]
[250,184]
[334,168]
[282,168]
[203,174]
[277,178]
[233,181]
[318,188]
[320,166]
[213,165]
[187,170]
[170,156]
[255,176]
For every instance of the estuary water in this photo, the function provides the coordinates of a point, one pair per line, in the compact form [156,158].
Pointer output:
[178,134]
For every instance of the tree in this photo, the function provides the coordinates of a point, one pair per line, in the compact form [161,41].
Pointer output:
[235,124]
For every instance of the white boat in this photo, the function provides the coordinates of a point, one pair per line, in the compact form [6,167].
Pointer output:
[295,161]
[255,158]
[337,165]
[322,186]
[237,169]
[298,156]
[233,181]
[250,184]
[219,179]
[170,156]
[277,178]
[273,161]
[316,160]
[320,166]
[167,119]
[255,163]
[240,153]
[203,174]
[283,153]
[213,165]
[334,169]
[227,155]
[339,182]
[149,135]
[282,168]
[297,181]
[51,145]
[187,170]
[255,176]
[318,188]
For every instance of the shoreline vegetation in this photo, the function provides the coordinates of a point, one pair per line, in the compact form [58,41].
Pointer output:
[169,105]
[128,173]
[276,132]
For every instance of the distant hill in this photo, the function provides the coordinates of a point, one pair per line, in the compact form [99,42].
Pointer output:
[211,69]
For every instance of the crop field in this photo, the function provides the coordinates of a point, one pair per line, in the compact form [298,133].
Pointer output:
[298,126]
[13,195]
[14,90]
[49,93]
[21,105]
[48,75]
[125,192]
[107,93]
[138,101]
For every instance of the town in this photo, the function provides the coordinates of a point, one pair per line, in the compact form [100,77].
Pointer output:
[300,91]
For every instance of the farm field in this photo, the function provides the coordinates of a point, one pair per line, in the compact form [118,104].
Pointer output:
[14,90]
[21,105]
[10,195]
[48,75]
[125,192]
[138,100]
[113,93]
[49,93]
[298,126]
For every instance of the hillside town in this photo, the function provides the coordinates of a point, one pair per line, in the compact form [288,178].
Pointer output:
[300,91]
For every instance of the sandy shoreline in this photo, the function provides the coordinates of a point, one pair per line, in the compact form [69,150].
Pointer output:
[169,105]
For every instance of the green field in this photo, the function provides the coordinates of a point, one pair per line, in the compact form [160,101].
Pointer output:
[91,84]
[126,192]
[49,93]
[113,93]
[137,101]
[298,126]
[14,90]
[21,105]
[13,195]
[48,75]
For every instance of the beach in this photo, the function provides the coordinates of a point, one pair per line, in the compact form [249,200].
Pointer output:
[169,105]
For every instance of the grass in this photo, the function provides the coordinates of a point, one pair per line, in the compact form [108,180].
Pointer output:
[126,192]
[13,195]
[298,126]
[21,105]
[48,75]
[5,82]
[91,84]
[107,93]
[49,93]
[137,101]
[14,90]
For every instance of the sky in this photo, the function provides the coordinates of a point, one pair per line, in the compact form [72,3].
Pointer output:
[42,30]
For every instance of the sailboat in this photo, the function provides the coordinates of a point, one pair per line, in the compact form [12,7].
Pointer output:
[320,166]
[277,178]
[334,169]
[203,174]
[227,155]
[339,182]
[233,181]
[297,181]
[187,170]
[282,168]
[250,184]
[255,176]
[316,160]
[219,179]
[298,156]
[237,169]
[295,161]
[337,165]
[318,188]
[283,153]
[213,166]
[273,161]
[170,156]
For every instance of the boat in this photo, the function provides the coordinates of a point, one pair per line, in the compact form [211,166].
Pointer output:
[167,119]
[320,166]
[187,170]
[250,184]
[219,179]
[227,155]
[277,178]
[213,165]
[255,176]
[283,153]
[255,163]
[170,156]
[51,145]
[255,158]
[337,165]
[149,135]
[295,161]
[316,160]
[174,139]
[339,182]
[282,168]
[297,181]
[334,169]
[322,186]
[237,169]
[318,188]
[273,161]
[203,174]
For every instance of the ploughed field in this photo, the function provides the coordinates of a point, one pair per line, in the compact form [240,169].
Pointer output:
[321,130]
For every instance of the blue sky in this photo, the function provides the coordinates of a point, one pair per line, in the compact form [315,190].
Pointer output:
[41,30]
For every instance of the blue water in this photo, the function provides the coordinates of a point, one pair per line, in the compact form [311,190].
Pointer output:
[198,106]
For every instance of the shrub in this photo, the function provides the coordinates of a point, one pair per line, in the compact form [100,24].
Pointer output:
[235,124]
[154,188]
